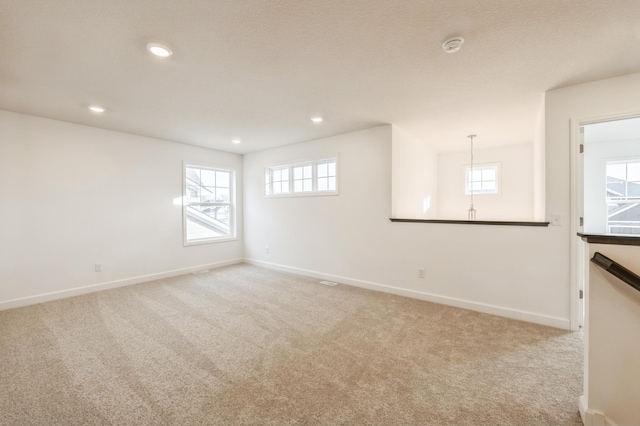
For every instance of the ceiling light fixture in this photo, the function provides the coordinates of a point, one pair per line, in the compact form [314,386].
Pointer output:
[159,50]
[97,108]
[236,141]
[453,44]
[317,119]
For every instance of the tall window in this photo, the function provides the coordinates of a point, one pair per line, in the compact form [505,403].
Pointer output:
[209,210]
[623,197]
[309,178]
[482,180]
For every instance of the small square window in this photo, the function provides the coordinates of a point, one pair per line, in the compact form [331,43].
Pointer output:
[483,179]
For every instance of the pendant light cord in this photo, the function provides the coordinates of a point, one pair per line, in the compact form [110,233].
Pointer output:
[471,213]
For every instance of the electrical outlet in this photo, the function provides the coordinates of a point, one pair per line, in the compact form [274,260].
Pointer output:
[421,273]
[98,267]
[556,219]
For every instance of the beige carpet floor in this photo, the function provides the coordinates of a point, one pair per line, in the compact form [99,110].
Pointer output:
[243,345]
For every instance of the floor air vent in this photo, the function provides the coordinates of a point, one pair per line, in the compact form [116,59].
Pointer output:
[331,283]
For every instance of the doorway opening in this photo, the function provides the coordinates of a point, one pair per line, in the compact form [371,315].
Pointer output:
[606,164]
[611,159]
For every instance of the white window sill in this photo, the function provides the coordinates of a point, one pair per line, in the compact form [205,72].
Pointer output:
[210,241]
[303,194]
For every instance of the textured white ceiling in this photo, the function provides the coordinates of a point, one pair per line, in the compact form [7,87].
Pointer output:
[259,69]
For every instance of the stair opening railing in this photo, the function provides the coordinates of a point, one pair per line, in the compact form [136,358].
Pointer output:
[617,270]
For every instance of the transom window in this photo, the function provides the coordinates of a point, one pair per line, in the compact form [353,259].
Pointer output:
[208,207]
[308,178]
[482,180]
[623,197]
[327,176]
[303,178]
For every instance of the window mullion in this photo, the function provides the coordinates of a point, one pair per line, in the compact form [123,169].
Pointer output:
[314,177]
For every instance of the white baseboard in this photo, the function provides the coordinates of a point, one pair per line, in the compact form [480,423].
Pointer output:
[593,417]
[46,297]
[563,323]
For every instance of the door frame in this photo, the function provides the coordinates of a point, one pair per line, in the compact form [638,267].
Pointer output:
[577,205]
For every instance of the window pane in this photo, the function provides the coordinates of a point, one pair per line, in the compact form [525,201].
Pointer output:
[222,195]
[618,171]
[193,193]
[277,187]
[615,187]
[633,172]
[207,194]
[476,176]
[297,172]
[297,185]
[193,176]
[332,184]
[307,172]
[285,174]
[489,174]
[308,185]
[332,169]
[322,170]
[487,186]
[222,179]
[277,175]
[208,177]
[323,184]
[285,185]
[207,222]
[476,186]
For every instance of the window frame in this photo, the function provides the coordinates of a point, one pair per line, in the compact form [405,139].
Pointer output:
[630,201]
[231,204]
[482,166]
[268,179]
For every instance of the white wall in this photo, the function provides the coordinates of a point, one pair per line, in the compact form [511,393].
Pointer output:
[612,371]
[514,201]
[539,168]
[72,196]
[518,272]
[617,96]
[415,178]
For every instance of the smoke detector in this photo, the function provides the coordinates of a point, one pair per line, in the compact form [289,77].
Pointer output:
[453,44]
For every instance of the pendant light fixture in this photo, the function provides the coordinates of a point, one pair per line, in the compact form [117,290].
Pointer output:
[471,213]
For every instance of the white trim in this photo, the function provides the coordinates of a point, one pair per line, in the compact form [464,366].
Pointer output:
[46,297]
[210,241]
[593,417]
[533,317]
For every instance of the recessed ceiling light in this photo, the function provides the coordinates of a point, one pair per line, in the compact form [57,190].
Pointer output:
[317,119]
[97,108]
[453,44]
[236,141]
[159,50]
